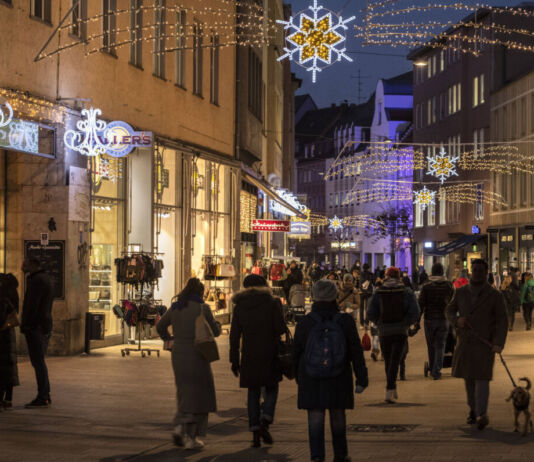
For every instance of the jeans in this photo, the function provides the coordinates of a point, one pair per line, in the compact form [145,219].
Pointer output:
[364,299]
[477,395]
[338,426]
[392,349]
[510,313]
[37,347]
[402,364]
[255,414]
[527,313]
[436,331]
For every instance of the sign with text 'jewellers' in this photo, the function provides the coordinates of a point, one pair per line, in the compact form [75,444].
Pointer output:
[274,226]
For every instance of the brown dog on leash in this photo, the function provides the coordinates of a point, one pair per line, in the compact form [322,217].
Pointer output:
[520,396]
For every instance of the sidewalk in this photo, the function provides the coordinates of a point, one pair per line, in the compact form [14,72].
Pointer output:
[108,408]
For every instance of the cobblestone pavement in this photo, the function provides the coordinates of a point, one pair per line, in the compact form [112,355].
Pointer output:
[108,408]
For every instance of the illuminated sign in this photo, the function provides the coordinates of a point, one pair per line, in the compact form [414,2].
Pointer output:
[300,230]
[475,229]
[343,245]
[429,245]
[288,197]
[6,113]
[275,226]
[95,137]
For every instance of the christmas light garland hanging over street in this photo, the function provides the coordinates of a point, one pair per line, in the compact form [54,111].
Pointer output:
[317,40]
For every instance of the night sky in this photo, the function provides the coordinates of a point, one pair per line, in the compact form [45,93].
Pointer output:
[340,82]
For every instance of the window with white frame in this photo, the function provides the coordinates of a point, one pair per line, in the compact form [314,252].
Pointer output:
[431,214]
[419,216]
[479,204]
[442,209]
[136,32]
[181,44]
[442,61]
[159,38]
[214,68]
[79,17]
[478,90]
[109,25]
[41,9]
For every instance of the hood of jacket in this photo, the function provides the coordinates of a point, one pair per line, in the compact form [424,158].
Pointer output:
[529,283]
[251,297]
[347,286]
[437,279]
[392,283]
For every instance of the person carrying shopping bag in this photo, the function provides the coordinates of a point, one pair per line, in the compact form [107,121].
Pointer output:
[195,388]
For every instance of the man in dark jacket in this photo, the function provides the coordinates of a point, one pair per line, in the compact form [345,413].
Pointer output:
[259,321]
[366,284]
[294,275]
[36,325]
[334,393]
[434,297]
[393,309]
[478,312]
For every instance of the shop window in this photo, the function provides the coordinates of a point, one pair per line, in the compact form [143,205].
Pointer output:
[181,44]
[109,23]
[159,38]
[42,9]
[136,32]
[79,18]
[214,68]
[107,238]
[197,59]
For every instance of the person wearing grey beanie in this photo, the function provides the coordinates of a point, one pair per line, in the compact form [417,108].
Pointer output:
[331,388]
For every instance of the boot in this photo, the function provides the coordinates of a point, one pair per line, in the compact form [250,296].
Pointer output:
[471,418]
[390,396]
[482,422]
[178,436]
[256,441]
[264,432]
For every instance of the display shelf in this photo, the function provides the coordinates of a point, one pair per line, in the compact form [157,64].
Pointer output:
[100,271]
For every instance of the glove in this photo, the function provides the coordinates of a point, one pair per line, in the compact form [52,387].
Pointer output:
[360,389]
[235,369]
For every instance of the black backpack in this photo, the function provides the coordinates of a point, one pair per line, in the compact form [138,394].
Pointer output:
[392,309]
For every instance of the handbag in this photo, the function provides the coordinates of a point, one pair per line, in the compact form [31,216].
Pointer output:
[204,339]
[225,270]
[285,356]
[12,320]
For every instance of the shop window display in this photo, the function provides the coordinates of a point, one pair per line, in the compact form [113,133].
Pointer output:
[107,239]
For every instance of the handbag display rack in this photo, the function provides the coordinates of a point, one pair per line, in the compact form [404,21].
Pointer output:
[218,271]
[139,272]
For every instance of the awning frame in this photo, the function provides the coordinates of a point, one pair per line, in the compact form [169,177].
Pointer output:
[468,239]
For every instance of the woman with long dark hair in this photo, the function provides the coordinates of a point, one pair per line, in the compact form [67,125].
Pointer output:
[192,372]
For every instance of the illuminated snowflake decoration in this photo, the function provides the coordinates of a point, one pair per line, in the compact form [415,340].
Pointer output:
[424,197]
[335,223]
[317,40]
[442,166]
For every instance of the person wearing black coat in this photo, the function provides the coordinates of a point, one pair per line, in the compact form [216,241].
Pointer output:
[36,325]
[334,393]
[257,320]
[9,377]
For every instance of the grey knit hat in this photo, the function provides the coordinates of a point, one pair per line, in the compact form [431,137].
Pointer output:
[324,290]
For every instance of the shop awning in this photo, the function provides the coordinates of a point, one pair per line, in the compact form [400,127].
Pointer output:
[266,188]
[454,245]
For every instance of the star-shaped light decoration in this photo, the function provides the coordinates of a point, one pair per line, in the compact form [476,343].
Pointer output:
[335,223]
[424,197]
[317,40]
[441,165]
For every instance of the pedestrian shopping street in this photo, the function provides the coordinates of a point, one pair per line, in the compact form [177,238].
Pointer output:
[108,408]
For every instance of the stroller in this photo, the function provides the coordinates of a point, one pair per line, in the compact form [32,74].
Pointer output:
[449,351]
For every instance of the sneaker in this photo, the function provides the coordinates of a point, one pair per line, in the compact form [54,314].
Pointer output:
[192,444]
[37,403]
[390,396]
[177,436]
[471,418]
[374,356]
[482,422]
[264,432]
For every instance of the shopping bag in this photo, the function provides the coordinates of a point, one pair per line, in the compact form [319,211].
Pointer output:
[285,356]
[205,340]
[366,342]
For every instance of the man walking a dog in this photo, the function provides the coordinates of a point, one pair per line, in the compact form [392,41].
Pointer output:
[478,312]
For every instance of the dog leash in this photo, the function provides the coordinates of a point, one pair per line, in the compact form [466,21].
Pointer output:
[483,340]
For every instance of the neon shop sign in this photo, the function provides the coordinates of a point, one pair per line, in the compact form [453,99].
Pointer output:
[95,137]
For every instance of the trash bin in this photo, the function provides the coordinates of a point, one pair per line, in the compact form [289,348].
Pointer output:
[94,328]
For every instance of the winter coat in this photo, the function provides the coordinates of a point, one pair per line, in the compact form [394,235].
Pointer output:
[434,297]
[524,289]
[9,376]
[486,314]
[257,320]
[37,304]
[335,392]
[348,298]
[193,377]
[410,307]
[366,276]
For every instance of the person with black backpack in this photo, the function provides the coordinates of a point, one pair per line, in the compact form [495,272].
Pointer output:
[434,297]
[327,349]
[393,309]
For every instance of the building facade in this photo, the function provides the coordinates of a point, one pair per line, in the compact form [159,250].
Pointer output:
[161,69]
